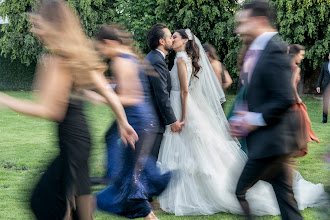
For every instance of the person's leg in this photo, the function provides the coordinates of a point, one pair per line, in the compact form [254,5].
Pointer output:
[114,153]
[151,216]
[326,100]
[282,185]
[84,207]
[156,145]
[251,174]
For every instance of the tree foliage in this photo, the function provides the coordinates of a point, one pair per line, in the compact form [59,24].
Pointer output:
[17,41]
[304,22]
[211,21]
[137,16]
[20,44]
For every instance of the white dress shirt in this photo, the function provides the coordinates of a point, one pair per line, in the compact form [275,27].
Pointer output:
[260,43]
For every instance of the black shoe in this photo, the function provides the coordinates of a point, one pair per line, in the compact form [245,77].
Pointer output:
[98,181]
[325,118]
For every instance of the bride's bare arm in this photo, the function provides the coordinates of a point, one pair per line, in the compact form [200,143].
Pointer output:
[182,73]
[53,96]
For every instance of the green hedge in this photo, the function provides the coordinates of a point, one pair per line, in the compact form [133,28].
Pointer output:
[14,75]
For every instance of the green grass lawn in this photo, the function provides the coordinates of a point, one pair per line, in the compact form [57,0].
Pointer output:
[28,144]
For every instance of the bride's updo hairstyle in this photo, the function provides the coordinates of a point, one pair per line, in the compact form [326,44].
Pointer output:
[191,49]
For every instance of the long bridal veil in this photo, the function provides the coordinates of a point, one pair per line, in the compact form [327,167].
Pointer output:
[208,94]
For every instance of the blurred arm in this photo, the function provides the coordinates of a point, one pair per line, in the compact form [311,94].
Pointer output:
[228,80]
[53,95]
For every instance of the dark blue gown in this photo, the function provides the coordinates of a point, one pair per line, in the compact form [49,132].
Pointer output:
[133,173]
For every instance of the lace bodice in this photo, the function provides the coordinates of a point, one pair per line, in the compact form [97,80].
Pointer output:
[174,72]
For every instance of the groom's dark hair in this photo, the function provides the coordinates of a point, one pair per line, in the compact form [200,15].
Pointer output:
[262,8]
[154,35]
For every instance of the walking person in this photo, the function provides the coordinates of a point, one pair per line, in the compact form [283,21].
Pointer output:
[297,53]
[72,66]
[133,174]
[325,77]
[269,99]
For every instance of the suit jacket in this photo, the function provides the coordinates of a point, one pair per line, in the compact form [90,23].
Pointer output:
[270,93]
[324,74]
[160,83]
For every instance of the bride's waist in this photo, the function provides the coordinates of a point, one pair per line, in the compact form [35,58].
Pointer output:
[175,91]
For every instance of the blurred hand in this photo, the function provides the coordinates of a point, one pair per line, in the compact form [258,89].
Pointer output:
[128,134]
[299,100]
[318,90]
[246,127]
[176,127]
[235,128]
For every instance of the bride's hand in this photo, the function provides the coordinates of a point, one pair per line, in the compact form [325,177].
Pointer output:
[127,134]
[182,123]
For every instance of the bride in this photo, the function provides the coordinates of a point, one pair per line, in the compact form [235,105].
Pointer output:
[207,161]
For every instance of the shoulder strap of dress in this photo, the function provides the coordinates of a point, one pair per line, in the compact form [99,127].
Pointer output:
[184,56]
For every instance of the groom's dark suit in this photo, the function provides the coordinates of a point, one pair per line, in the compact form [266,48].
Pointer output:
[325,74]
[269,92]
[160,83]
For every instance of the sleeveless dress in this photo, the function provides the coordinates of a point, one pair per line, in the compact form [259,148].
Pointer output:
[208,164]
[134,174]
[68,175]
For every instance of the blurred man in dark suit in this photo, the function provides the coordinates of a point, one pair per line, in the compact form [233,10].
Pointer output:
[264,118]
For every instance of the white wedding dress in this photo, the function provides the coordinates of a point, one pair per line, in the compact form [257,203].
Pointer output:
[207,162]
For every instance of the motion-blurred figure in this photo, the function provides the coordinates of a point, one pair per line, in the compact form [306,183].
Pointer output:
[133,173]
[307,135]
[218,67]
[325,74]
[73,65]
[268,99]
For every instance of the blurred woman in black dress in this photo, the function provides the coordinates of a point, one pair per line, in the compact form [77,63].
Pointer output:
[73,65]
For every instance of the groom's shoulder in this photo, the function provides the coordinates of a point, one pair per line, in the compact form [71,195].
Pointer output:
[153,57]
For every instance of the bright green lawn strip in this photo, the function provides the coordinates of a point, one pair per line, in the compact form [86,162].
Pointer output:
[28,144]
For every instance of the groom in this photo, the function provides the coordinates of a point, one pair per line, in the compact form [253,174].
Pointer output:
[159,40]
[268,121]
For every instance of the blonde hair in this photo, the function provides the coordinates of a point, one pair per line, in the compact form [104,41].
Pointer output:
[63,35]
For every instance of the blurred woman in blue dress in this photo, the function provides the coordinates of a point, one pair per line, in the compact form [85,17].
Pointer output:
[133,174]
